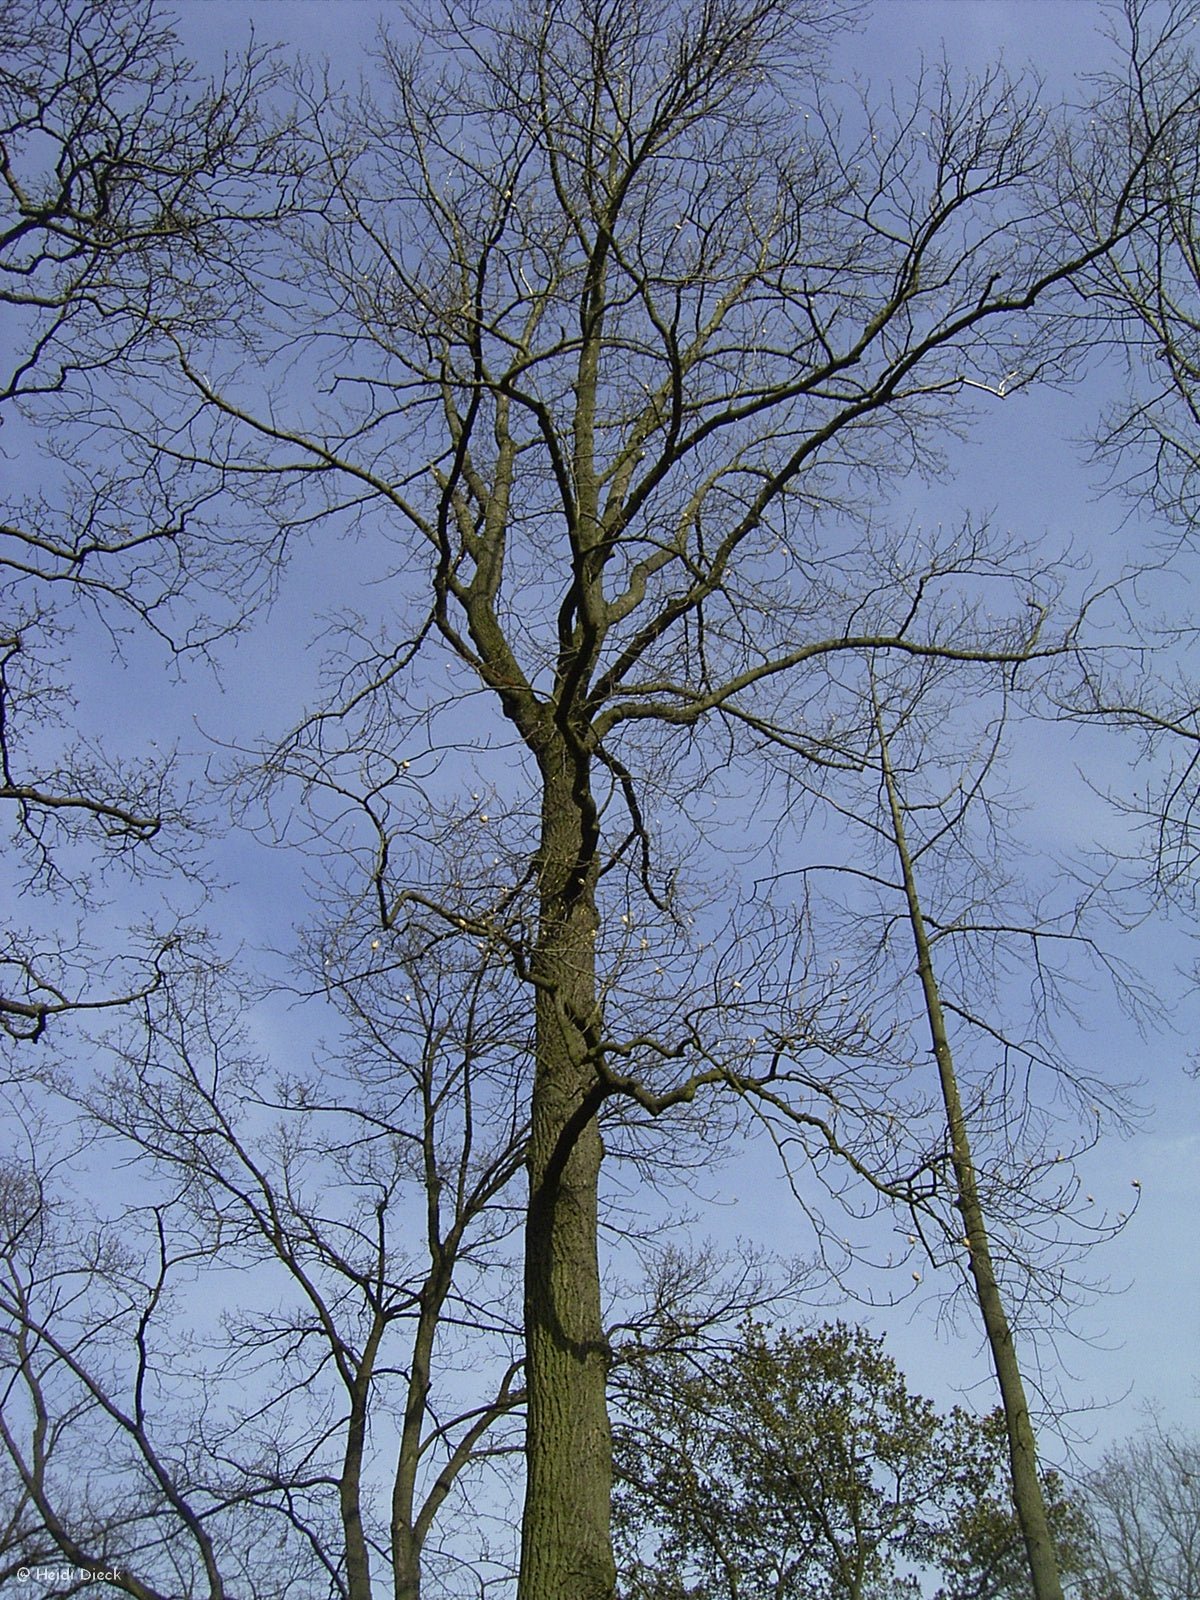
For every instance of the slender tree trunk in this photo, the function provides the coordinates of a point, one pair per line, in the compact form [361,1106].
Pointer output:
[406,1541]
[358,1560]
[566,1548]
[1022,1445]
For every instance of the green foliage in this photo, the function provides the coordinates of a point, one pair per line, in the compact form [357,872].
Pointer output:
[979,1552]
[803,1466]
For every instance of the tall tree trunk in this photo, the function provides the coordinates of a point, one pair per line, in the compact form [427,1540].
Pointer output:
[358,1559]
[566,1547]
[1022,1446]
[406,1540]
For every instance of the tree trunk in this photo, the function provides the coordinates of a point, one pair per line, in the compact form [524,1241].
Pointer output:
[358,1559]
[1022,1446]
[566,1547]
[406,1542]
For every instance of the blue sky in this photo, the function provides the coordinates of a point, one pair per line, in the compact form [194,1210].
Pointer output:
[1025,464]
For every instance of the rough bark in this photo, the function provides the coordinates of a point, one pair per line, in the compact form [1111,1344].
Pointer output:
[566,1548]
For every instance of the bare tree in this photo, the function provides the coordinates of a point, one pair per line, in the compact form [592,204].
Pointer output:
[607,327]
[1145,296]
[1141,303]
[339,1399]
[124,182]
[300,1341]
[957,946]
[1144,1505]
[1022,1445]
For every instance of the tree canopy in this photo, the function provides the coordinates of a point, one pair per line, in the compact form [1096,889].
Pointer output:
[803,1464]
